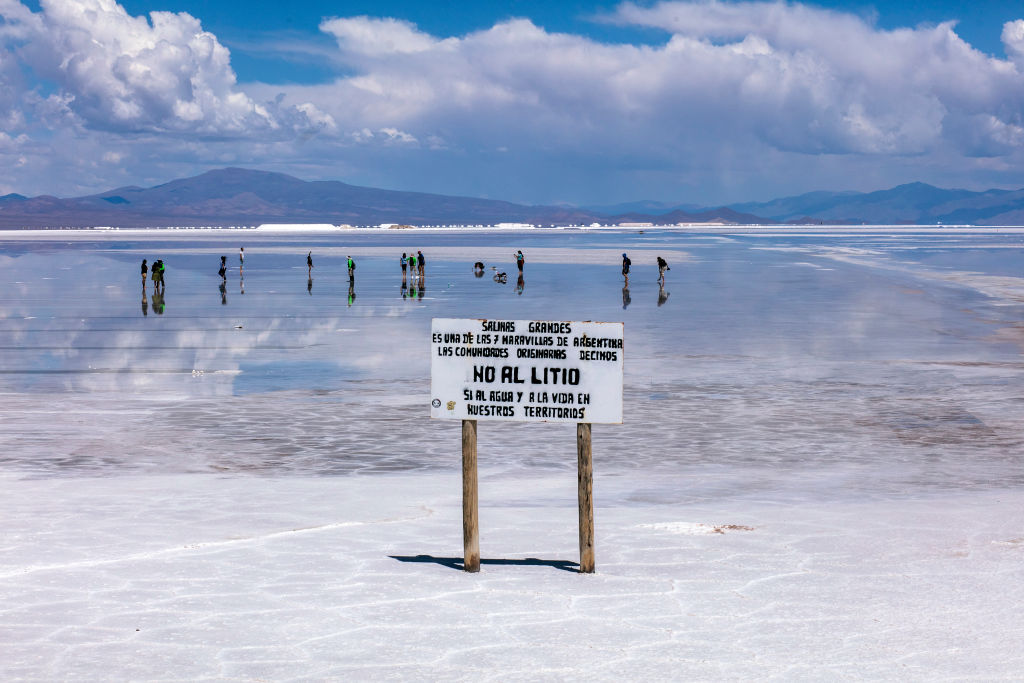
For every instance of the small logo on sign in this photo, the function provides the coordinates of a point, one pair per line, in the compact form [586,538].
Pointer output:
[436,403]
[451,405]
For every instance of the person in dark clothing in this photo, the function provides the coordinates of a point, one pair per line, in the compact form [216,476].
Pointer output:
[351,270]
[309,263]
[145,269]
[405,262]
[158,271]
[421,261]
[223,272]
[478,269]
[662,267]
[626,263]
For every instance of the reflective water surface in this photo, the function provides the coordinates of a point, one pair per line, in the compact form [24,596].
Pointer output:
[836,363]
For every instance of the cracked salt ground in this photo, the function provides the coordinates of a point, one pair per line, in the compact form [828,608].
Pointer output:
[818,475]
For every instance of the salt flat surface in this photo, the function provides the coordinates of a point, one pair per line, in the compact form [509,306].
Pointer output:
[819,474]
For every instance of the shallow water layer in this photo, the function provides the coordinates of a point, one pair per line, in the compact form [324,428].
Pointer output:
[787,364]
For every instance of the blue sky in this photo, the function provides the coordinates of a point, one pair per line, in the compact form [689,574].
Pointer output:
[535,102]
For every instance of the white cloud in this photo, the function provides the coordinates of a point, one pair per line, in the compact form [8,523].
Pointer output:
[1013,41]
[792,77]
[738,101]
[123,73]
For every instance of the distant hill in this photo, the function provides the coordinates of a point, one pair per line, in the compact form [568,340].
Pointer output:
[648,207]
[235,196]
[913,203]
[239,197]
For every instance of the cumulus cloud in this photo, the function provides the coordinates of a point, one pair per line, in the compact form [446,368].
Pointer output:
[792,77]
[737,95]
[123,73]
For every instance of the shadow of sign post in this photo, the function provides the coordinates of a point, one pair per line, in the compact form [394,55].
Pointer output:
[526,371]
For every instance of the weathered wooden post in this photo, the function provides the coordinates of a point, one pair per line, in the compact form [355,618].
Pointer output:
[585,481]
[470,522]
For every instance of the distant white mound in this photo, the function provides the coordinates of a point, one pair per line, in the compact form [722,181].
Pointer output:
[299,227]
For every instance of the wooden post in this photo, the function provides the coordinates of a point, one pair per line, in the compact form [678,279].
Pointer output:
[585,481]
[470,523]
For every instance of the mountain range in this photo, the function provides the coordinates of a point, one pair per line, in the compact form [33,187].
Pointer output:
[241,197]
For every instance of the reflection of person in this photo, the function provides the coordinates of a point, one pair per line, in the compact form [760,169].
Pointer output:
[423,288]
[519,285]
[145,269]
[158,302]
[351,270]
[626,299]
[520,260]
[662,294]
[421,261]
[223,287]
[351,291]
[145,302]
[626,263]
[309,286]
[662,267]
[309,263]
[405,289]
[241,285]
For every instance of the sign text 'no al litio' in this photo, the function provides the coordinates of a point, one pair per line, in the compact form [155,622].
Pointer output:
[526,370]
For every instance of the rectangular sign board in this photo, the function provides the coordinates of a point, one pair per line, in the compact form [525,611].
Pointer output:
[526,370]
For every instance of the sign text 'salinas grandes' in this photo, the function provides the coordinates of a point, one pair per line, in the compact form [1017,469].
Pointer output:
[526,370]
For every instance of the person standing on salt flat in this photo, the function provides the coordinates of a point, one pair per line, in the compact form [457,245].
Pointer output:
[420,262]
[351,270]
[520,260]
[404,261]
[626,263]
[309,263]
[158,271]
[662,267]
[412,265]
[223,272]
[145,269]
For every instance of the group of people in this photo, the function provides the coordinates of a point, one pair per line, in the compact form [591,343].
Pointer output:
[156,273]
[415,263]
[626,263]
[412,264]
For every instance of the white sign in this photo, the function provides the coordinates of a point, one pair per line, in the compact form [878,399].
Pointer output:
[526,370]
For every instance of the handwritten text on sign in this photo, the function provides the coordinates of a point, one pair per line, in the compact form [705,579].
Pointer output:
[526,370]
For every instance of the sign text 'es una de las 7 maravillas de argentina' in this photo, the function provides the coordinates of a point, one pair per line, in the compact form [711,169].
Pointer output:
[526,370]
